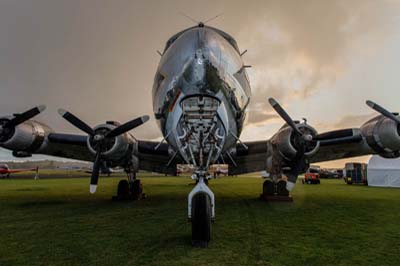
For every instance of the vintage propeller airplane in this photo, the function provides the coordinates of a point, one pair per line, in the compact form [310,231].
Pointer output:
[5,171]
[200,95]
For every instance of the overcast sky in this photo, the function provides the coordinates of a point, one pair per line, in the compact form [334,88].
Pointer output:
[320,59]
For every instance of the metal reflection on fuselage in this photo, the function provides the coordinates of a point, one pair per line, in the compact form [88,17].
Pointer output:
[200,94]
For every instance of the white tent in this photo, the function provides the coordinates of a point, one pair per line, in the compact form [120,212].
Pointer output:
[383,172]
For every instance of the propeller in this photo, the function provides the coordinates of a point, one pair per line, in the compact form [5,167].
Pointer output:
[383,111]
[95,172]
[282,113]
[304,140]
[100,139]
[7,126]
[301,142]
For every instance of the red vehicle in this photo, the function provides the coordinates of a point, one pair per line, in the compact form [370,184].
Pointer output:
[5,171]
[311,178]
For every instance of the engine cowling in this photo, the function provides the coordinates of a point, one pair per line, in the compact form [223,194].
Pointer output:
[382,136]
[115,148]
[287,141]
[28,136]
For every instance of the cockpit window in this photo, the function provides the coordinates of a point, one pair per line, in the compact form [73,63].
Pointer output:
[159,78]
[157,85]
[242,78]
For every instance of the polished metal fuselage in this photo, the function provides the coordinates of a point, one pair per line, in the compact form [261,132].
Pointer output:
[200,94]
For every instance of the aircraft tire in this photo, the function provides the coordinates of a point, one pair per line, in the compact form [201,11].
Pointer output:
[136,188]
[281,188]
[268,188]
[201,220]
[123,189]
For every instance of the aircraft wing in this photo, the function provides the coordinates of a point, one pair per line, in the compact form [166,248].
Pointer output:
[296,145]
[338,144]
[109,142]
[341,144]
[249,157]
[13,171]
[156,157]
[335,145]
[150,158]
[68,146]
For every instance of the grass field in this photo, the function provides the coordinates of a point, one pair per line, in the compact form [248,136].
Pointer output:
[57,222]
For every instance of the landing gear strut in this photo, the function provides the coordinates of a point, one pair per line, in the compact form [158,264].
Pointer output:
[201,212]
[131,189]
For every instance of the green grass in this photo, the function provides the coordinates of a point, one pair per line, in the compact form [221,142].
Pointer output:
[57,222]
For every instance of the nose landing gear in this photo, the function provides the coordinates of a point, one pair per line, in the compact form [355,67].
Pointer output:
[201,212]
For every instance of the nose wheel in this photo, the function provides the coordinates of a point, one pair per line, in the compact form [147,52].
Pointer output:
[201,213]
[201,220]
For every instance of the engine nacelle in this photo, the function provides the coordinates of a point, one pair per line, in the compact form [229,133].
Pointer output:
[114,149]
[287,141]
[26,137]
[382,136]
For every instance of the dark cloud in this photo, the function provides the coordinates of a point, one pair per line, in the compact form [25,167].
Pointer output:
[298,48]
[98,58]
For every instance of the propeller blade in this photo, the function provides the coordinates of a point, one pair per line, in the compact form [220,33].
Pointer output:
[76,122]
[20,118]
[127,126]
[282,113]
[95,173]
[383,111]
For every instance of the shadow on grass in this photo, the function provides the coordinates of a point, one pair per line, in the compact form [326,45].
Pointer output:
[31,189]
[41,203]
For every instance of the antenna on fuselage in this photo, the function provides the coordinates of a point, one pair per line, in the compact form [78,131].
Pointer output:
[200,23]
[189,17]
[211,19]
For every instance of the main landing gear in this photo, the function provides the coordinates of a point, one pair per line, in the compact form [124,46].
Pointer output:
[5,176]
[131,189]
[201,212]
[275,191]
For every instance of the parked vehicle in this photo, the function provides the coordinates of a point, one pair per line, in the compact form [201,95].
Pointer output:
[355,173]
[311,178]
